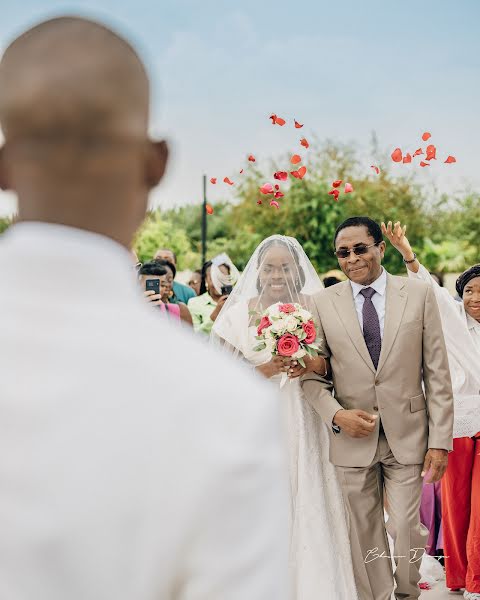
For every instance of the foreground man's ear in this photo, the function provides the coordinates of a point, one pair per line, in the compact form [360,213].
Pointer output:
[156,163]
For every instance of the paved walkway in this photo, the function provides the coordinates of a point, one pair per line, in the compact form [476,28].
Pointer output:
[440,592]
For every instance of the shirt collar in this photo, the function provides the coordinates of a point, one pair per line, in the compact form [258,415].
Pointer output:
[379,285]
[472,323]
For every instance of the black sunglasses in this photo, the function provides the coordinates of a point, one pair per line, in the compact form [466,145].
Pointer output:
[358,250]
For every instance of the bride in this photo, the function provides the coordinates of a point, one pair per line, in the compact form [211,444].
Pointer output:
[320,562]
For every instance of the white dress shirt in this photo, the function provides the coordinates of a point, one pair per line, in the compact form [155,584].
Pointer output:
[462,339]
[378,299]
[135,463]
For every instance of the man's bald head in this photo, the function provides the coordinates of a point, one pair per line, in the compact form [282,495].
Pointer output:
[74,101]
[72,79]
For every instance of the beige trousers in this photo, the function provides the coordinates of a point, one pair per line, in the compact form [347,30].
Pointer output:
[363,492]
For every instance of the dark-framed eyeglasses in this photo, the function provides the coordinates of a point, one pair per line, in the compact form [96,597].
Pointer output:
[358,250]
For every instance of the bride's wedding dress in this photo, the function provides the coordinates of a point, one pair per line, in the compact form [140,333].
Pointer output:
[320,560]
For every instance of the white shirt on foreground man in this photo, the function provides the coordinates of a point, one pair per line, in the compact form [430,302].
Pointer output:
[134,464]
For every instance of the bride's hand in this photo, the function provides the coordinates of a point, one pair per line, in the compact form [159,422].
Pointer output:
[276,366]
[312,365]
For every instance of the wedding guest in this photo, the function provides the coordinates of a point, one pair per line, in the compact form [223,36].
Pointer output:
[116,482]
[461,483]
[195,281]
[181,293]
[206,307]
[329,281]
[159,270]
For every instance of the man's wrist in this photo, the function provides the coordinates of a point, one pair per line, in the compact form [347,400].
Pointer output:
[335,416]
[409,257]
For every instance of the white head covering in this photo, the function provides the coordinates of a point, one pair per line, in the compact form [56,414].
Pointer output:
[219,278]
[266,280]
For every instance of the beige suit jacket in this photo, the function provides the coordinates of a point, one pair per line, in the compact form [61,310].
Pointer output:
[414,417]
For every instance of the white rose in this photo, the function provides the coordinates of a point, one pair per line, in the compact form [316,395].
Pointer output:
[271,343]
[300,353]
[279,326]
[291,323]
[305,315]
[274,310]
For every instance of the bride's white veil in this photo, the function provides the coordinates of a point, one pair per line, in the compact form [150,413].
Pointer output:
[278,271]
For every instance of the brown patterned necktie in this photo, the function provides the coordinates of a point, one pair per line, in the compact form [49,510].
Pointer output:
[371,326]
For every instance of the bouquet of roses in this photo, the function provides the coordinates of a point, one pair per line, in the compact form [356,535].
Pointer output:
[287,330]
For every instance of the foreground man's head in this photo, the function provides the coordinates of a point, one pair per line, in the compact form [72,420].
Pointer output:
[74,108]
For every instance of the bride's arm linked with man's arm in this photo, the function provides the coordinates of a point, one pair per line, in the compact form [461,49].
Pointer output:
[318,390]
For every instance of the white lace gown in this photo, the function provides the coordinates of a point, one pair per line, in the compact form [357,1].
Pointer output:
[320,559]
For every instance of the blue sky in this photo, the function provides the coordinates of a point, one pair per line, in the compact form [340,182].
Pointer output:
[345,68]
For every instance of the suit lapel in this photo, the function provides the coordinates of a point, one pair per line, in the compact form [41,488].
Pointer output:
[395,302]
[345,307]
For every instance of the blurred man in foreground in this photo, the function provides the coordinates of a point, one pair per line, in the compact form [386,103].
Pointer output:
[112,486]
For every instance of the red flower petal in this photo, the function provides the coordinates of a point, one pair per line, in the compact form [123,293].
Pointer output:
[426,136]
[213,180]
[251,158]
[275,204]
[241,171]
[304,143]
[279,195]
[431,152]
[295,174]
[407,158]
[418,152]
[376,169]
[259,202]
[301,172]
[335,194]
[297,125]
[450,160]
[424,164]
[277,187]
[227,180]
[267,188]
[281,175]
[337,183]
[295,159]
[348,188]
[277,120]
[209,209]
[397,155]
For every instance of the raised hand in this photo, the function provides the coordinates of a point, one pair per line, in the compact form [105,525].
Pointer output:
[396,236]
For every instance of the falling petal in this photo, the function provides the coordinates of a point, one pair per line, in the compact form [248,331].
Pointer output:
[241,171]
[431,152]
[277,187]
[297,125]
[337,183]
[251,158]
[275,204]
[304,143]
[295,159]
[213,180]
[418,152]
[277,120]
[259,202]
[397,155]
[267,188]
[281,175]
[209,209]
[407,158]
[375,168]
[348,188]
[424,164]
[426,136]
[227,180]
[301,172]
[450,160]
[295,174]
[279,195]
[335,194]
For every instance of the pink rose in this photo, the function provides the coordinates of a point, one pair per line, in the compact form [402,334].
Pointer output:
[287,345]
[309,329]
[286,308]
[264,323]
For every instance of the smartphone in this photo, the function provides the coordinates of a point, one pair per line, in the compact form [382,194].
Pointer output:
[153,284]
[226,290]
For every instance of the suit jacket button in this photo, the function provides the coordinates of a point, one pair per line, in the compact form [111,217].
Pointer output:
[375,408]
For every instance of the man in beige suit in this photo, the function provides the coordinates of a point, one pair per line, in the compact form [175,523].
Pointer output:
[384,338]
